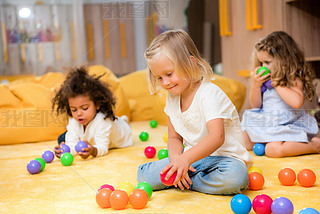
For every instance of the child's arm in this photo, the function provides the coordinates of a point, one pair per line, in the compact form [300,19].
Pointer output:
[255,96]
[292,95]
[181,163]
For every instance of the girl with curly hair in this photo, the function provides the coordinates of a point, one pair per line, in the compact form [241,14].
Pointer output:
[90,103]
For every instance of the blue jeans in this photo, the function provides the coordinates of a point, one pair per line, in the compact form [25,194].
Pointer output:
[217,175]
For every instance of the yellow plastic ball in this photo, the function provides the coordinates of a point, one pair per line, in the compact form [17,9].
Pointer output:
[254,169]
[165,137]
[125,186]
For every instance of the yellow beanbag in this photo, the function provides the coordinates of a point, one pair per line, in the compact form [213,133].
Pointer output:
[122,105]
[143,105]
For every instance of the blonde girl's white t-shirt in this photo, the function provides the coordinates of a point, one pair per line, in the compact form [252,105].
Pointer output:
[101,133]
[209,103]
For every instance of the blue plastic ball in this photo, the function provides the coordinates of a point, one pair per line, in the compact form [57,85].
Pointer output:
[308,211]
[80,145]
[259,149]
[282,205]
[240,204]
[34,167]
[48,156]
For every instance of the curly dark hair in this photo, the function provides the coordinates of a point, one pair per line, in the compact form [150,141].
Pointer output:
[79,82]
[290,61]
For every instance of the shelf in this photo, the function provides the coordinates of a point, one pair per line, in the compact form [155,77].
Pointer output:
[313,59]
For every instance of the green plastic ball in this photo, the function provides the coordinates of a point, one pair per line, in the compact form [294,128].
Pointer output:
[42,162]
[146,187]
[153,123]
[264,69]
[163,153]
[144,136]
[66,159]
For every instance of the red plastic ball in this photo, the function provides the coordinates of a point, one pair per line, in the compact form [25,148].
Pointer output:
[119,199]
[150,151]
[287,176]
[103,198]
[306,178]
[261,204]
[170,181]
[256,181]
[138,198]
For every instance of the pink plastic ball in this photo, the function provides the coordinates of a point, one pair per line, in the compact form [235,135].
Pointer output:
[150,151]
[170,181]
[106,186]
[262,204]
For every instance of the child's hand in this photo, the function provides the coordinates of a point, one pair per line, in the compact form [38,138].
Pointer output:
[258,80]
[57,150]
[86,152]
[182,166]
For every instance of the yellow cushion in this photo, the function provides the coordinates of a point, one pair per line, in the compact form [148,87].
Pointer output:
[122,105]
[27,115]
[234,89]
[143,106]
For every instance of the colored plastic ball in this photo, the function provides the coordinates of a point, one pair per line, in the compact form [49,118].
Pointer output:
[308,211]
[170,181]
[254,169]
[48,156]
[42,162]
[138,198]
[259,149]
[163,153]
[287,176]
[282,205]
[306,178]
[153,123]
[261,204]
[64,148]
[146,187]
[80,145]
[119,199]
[106,186]
[150,151]
[144,136]
[240,204]
[34,167]
[103,198]
[165,137]
[125,186]
[256,181]
[66,159]
[263,69]
[268,84]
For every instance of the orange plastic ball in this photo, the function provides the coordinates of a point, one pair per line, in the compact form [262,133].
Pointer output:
[119,199]
[138,198]
[102,198]
[256,181]
[287,176]
[306,178]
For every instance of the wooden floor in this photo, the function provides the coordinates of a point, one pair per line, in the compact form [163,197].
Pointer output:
[72,189]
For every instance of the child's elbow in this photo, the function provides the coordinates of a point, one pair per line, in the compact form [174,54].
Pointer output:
[297,105]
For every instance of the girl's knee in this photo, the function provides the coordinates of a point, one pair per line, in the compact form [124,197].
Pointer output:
[273,150]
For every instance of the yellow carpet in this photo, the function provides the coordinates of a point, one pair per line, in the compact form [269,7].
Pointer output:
[72,189]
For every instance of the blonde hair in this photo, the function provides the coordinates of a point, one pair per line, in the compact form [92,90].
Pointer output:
[289,61]
[178,47]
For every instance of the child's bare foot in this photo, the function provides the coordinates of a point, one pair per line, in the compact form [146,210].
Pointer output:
[315,143]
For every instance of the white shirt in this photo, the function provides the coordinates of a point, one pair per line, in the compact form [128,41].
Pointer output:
[101,133]
[209,103]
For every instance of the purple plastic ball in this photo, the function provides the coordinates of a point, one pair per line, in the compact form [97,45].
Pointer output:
[65,148]
[48,156]
[282,205]
[34,167]
[81,145]
[268,84]
[263,88]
